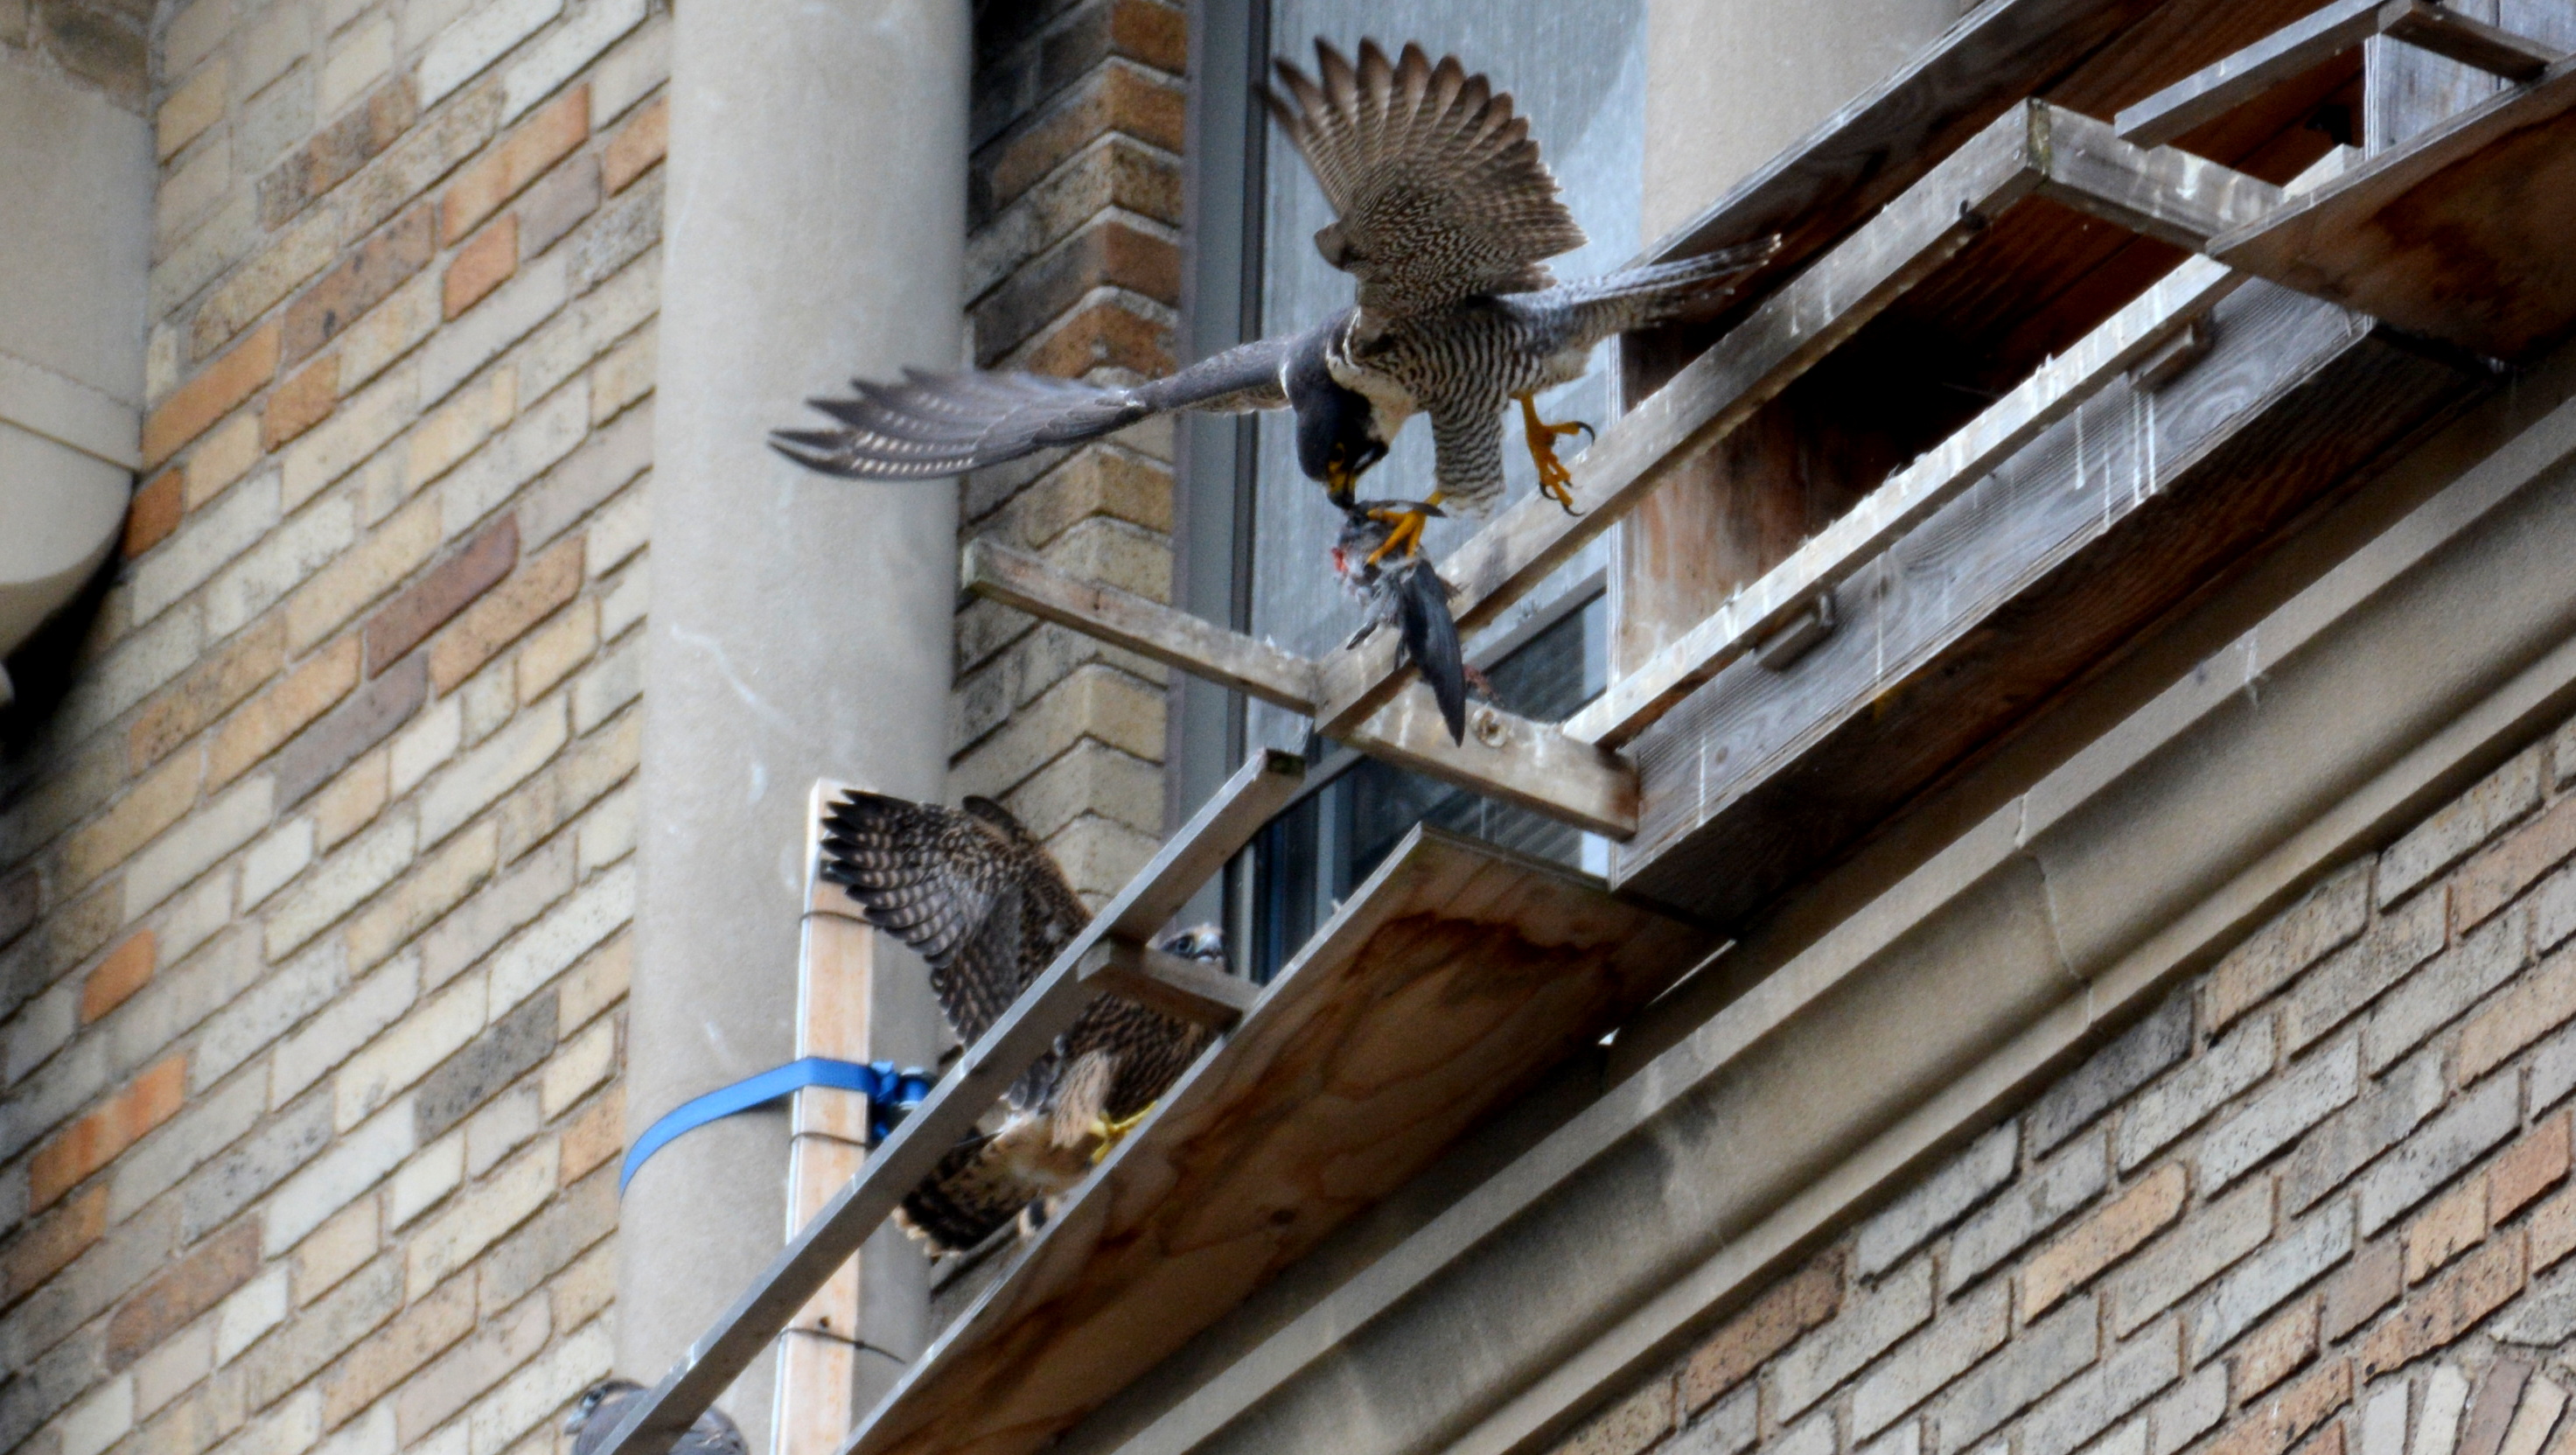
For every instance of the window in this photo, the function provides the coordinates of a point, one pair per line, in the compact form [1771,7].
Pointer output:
[1256,532]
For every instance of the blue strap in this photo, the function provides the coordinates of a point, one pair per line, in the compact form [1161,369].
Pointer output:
[890,1094]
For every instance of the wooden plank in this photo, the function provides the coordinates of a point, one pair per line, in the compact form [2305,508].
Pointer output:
[2034,148]
[1505,757]
[2468,40]
[1048,1008]
[1633,703]
[1172,985]
[2216,90]
[2018,586]
[2458,234]
[2163,193]
[1149,628]
[1439,992]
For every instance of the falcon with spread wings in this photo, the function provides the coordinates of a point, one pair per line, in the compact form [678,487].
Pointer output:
[981,899]
[1445,215]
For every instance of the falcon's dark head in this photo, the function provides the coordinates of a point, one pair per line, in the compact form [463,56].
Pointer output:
[1338,433]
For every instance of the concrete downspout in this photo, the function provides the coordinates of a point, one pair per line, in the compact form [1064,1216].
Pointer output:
[800,626]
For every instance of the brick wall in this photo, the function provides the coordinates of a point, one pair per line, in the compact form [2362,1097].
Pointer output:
[1073,268]
[313,887]
[2316,1202]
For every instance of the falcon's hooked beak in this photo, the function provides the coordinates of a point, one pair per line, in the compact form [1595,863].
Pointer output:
[1339,479]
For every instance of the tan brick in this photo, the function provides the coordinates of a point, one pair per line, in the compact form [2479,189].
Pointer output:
[427,1399]
[191,109]
[2447,1307]
[351,801]
[457,428]
[301,402]
[357,576]
[365,278]
[451,586]
[196,405]
[2528,1168]
[341,1246]
[2276,1351]
[52,1244]
[2290,1414]
[1113,98]
[220,459]
[432,887]
[214,688]
[621,378]
[2527,1011]
[1105,334]
[2329,917]
[539,142]
[154,512]
[598,982]
[306,248]
[2455,1223]
[127,969]
[555,650]
[1151,32]
[2370,1282]
[94,1141]
[2484,884]
[2553,1231]
[280,713]
[1628,1426]
[504,614]
[638,148]
[585,1288]
[421,1333]
[595,1136]
[337,151]
[530,816]
[154,803]
[481,266]
[1809,1298]
[2102,1240]
[192,1286]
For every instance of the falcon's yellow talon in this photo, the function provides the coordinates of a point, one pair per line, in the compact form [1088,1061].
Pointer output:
[1405,539]
[1554,480]
[1111,1133]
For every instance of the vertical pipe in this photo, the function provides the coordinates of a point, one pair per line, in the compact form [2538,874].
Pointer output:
[800,626]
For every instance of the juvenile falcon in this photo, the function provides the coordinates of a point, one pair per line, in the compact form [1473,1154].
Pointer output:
[1445,215]
[604,1404]
[986,905]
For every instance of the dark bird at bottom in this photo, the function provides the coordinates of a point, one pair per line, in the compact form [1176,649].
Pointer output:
[605,1404]
[1404,592]
[979,897]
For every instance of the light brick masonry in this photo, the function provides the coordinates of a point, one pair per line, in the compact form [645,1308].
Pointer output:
[316,868]
[2317,1201]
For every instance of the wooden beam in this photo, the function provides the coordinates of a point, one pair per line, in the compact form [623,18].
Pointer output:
[2131,336]
[2165,194]
[2033,148]
[1505,757]
[2216,90]
[1044,1011]
[2489,48]
[1132,970]
[1148,628]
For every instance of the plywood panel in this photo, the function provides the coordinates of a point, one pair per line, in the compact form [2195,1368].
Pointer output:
[1442,990]
[2459,233]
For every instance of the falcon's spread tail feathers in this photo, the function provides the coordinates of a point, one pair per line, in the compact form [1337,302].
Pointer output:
[1639,297]
[935,425]
[1438,191]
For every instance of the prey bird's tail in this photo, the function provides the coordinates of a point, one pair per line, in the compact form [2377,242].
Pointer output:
[1430,636]
[932,425]
[1659,292]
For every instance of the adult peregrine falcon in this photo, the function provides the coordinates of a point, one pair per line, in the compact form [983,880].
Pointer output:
[1445,215]
[985,904]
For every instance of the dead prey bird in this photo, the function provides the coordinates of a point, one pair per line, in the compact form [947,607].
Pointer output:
[987,906]
[605,1404]
[1445,215]
[1407,594]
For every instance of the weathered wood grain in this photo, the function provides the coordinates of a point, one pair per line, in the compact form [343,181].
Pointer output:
[1044,1011]
[2212,92]
[2161,193]
[2012,590]
[2470,41]
[1445,986]
[2459,233]
[1172,985]
[1633,703]
[1149,628]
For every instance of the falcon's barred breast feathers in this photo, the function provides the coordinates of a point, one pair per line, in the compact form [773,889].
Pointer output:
[1445,216]
[983,902]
